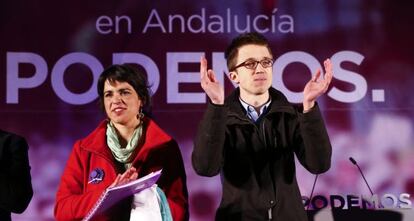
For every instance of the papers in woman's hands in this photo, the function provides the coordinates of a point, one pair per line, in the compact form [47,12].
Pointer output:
[115,194]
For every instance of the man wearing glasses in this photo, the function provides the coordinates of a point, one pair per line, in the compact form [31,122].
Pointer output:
[251,137]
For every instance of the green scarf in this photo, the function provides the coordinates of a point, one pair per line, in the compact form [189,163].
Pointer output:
[122,155]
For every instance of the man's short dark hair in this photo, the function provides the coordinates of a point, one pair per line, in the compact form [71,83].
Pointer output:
[125,73]
[242,40]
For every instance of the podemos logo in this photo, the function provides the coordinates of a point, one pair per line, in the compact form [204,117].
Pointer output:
[386,201]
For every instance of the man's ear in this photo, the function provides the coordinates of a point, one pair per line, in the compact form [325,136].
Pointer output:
[234,77]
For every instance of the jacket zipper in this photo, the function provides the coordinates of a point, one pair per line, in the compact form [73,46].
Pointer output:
[248,121]
[269,211]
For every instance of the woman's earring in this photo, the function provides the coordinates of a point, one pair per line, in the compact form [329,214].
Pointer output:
[140,114]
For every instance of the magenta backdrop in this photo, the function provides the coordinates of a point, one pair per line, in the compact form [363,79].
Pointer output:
[51,52]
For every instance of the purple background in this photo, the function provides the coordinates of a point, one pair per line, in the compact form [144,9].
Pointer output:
[379,135]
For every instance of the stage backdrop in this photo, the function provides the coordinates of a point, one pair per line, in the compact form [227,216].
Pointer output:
[51,53]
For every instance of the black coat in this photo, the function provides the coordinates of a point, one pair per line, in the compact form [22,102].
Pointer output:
[256,160]
[15,180]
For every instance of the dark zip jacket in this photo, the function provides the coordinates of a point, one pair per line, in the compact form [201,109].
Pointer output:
[15,180]
[256,160]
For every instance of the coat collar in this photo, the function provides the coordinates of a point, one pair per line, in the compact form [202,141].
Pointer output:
[152,137]
[279,103]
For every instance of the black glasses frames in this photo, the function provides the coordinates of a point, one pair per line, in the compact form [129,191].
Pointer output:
[252,64]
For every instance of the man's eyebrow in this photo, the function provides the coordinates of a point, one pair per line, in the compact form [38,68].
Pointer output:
[250,59]
[255,59]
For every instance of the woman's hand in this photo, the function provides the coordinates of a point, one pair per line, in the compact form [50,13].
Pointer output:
[128,176]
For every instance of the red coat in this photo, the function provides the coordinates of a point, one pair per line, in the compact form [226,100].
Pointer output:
[75,197]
